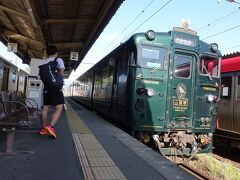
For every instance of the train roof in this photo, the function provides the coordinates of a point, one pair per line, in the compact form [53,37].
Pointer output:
[10,63]
[230,64]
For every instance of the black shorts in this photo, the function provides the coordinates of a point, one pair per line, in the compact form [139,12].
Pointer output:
[53,98]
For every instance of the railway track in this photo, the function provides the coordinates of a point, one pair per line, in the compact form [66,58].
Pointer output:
[194,172]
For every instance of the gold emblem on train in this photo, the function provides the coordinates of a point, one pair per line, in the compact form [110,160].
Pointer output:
[181,90]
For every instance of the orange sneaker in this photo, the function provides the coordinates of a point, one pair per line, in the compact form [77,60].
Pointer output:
[43,131]
[51,132]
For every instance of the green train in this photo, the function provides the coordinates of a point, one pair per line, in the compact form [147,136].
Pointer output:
[160,87]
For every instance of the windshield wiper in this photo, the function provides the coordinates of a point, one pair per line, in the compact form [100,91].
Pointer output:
[204,67]
[156,68]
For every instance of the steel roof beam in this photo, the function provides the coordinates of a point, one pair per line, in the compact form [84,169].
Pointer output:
[38,29]
[68,21]
[68,45]
[3,8]
[16,36]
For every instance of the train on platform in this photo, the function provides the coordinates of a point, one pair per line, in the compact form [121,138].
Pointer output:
[161,87]
[228,124]
[12,78]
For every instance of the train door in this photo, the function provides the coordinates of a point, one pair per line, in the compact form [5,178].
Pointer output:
[25,85]
[181,83]
[19,76]
[236,106]
[226,103]
[5,79]
[114,71]
[1,76]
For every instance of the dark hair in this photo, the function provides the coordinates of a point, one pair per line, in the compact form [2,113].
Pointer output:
[51,50]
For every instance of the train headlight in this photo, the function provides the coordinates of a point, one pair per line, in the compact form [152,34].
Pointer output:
[214,111]
[205,121]
[202,119]
[210,98]
[150,92]
[150,35]
[214,47]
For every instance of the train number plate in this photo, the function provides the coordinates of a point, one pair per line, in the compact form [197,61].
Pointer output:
[180,102]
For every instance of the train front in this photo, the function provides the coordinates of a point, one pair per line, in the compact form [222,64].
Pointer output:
[182,99]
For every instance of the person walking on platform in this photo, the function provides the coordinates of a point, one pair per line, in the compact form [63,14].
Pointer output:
[52,97]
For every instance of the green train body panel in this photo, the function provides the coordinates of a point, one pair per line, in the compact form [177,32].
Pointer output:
[168,85]
[165,111]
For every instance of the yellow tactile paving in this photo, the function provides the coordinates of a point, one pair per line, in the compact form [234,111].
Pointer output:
[96,153]
[107,173]
[76,123]
[94,160]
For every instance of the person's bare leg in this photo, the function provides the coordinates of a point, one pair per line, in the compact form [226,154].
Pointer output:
[44,116]
[56,114]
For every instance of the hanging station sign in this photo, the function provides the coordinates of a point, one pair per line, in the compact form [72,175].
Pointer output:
[12,47]
[74,56]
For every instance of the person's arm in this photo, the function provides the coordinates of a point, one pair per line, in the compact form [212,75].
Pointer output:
[61,71]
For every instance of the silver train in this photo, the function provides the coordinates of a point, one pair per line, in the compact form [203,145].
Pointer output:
[228,124]
[12,78]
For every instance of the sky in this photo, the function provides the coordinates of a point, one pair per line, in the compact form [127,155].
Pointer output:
[216,21]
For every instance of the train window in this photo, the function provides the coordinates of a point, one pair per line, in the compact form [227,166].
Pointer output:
[209,66]
[1,71]
[182,66]
[14,77]
[21,80]
[226,87]
[132,59]
[153,57]
[105,77]
[238,88]
[98,79]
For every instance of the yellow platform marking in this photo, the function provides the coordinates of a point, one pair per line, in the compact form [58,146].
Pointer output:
[94,160]
[76,124]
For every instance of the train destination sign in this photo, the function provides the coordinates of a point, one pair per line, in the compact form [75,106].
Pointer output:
[180,102]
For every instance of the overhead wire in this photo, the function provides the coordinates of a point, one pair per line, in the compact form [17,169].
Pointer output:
[219,19]
[125,28]
[134,19]
[231,47]
[149,17]
[208,25]
[222,32]
[141,23]
[145,20]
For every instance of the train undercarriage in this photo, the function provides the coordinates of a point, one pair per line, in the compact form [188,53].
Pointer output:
[179,146]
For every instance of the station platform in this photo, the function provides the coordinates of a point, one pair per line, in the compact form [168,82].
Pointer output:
[87,147]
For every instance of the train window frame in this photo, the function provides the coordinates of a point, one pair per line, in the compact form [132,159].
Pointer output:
[162,65]
[21,79]
[14,76]
[1,71]
[190,69]
[206,69]
[238,86]
[226,91]
[105,73]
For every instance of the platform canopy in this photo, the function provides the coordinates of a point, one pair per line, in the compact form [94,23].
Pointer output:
[71,25]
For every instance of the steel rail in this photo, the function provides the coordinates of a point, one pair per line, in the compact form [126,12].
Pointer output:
[194,172]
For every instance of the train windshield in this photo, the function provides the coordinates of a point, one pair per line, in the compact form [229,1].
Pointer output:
[183,66]
[153,57]
[209,66]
